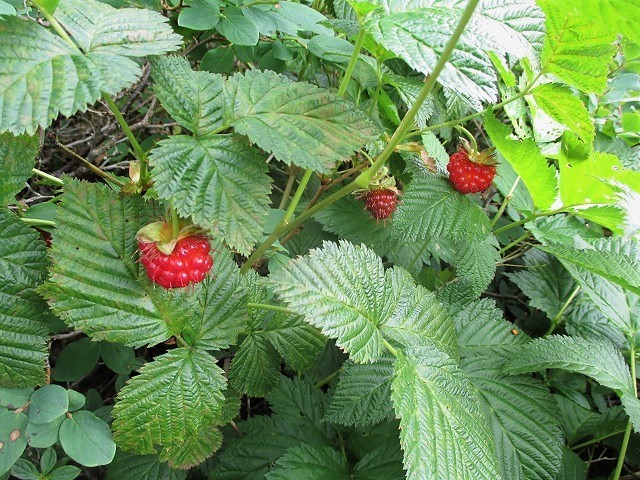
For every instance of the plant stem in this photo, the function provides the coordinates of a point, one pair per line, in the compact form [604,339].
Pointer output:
[595,440]
[94,168]
[287,190]
[175,222]
[533,216]
[48,177]
[139,153]
[38,222]
[56,26]
[352,62]
[297,196]
[505,202]
[365,177]
[390,347]
[514,243]
[627,432]
[266,306]
[556,320]
[325,380]
[419,254]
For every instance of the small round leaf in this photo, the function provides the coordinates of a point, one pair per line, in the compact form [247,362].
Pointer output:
[87,439]
[43,435]
[48,403]
[76,400]
[76,360]
[12,439]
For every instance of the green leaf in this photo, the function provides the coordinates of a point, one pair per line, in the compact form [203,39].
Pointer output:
[194,450]
[200,15]
[220,181]
[431,208]
[218,60]
[573,467]
[131,32]
[51,77]
[296,341]
[255,369]
[6,8]
[312,462]
[331,49]
[546,282]
[23,321]
[363,394]
[96,283]
[141,467]
[292,17]
[17,158]
[44,435]
[523,419]
[576,49]
[443,432]
[47,404]
[615,259]
[419,38]
[239,30]
[118,358]
[598,359]
[298,122]
[525,158]
[380,463]
[560,103]
[66,472]
[48,6]
[12,438]
[14,398]
[76,400]
[344,291]
[87,439]
[76,360]
[194,99]
[175,397]
[24,469]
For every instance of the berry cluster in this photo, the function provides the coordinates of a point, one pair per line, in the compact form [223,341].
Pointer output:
[188,263]
[470,173]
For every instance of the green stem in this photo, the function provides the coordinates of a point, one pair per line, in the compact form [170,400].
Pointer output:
[139,153]
[419,254]
[287,190]
[596,440]
[48,177]
[266,306]
[56,26]
[363,180]
[627,432]
[472,139]
[564,209]
[297,196]
[407,122]
[352,62]
[505,202]
[94,168]
[390,347]
[325,380]
[514,243]
[175,222]
[38,222]
[556,320]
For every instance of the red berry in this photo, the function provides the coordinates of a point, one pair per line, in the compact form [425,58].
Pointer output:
[381,202]
[188,263]
[468,176]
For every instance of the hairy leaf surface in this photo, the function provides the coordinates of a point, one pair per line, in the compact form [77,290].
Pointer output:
[17,158]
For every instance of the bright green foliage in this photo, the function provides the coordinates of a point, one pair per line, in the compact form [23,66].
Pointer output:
[23,314]
[12,438]
[298,122]
[577,49]
[295,340]
[141,467]
[17,157]
[523,419]
[443,435]
[525,158]
[87,439]
[547,283]
[616,260]
[616,15]
[344,291]
[220,180]
[312,462]
[431,208]
[362,396]
[130,32]
[560,103]
[200,14]
[239,30]
[96,283]
[194,99]
[175,402]
[597,359]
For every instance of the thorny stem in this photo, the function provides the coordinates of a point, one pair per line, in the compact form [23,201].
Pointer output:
[505,202]
[627,431]
[556,320]
[297,196]
[365,177]
[352,62]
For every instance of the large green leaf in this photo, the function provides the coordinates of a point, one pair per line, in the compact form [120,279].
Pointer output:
[523,418]
[363,394]
[344,291]
[175,399]
[96,282]
[431,208]
[23,317]
[132,32]
[42,76]
[218,180]
[298,122]
[444,435]
[577,49]
[17,158]
[525,158]
[141,467]
[194,99]
[616,259]
[295,340]
[311,462]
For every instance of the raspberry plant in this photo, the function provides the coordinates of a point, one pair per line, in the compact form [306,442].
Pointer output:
[481,336]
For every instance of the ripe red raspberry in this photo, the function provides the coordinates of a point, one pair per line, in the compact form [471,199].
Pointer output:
[188,263]
[469,175]
[381,202]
